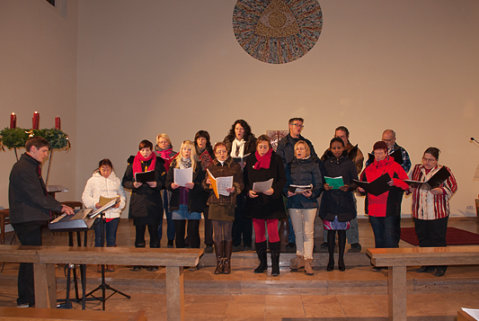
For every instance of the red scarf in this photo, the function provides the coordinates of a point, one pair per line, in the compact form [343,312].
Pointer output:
[137,168]
[263,161]
[165,155]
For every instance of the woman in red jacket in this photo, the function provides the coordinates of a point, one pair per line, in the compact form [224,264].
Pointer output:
[382,209]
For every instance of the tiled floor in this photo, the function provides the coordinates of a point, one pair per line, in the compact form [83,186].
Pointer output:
[356,294]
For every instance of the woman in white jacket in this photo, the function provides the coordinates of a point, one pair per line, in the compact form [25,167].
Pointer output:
[106,184]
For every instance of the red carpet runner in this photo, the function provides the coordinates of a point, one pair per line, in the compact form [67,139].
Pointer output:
[454,236]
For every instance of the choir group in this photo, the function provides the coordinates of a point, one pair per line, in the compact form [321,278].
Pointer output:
[268,187]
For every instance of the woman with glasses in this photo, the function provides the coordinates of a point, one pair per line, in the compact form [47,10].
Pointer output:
[430,206]
[164,149]
[222,207]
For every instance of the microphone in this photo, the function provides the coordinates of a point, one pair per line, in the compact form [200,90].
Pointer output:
[474,140]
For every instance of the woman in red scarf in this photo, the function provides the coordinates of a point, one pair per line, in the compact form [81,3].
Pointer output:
[265,207]
[146,207]
[164,149]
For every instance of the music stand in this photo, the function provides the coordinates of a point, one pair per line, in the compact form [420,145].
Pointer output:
[103,285]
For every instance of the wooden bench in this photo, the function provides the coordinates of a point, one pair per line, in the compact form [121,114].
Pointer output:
[44,259]
[398,259]
[39,314]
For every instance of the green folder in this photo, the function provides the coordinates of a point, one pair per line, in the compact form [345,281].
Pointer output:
[335,182]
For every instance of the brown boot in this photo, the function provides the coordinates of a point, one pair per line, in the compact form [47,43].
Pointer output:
[228,247]
[219,249]
[296,263]
[308,269]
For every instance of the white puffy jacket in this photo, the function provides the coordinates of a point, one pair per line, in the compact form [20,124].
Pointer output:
[97,186]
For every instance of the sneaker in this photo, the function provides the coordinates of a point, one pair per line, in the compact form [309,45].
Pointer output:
[23,305]
[324,247]
[208,249]
[355,248]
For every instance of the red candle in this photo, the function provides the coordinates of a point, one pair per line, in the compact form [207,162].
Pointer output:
[13,121]
[35,120]
[58,123]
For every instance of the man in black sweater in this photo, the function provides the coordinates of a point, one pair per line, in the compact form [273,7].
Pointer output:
[30,207]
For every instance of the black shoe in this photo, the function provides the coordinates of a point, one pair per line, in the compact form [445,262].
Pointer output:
[341,266]
[355,248]
[291,248]
[330,266]
[324,247]
[170,244]
[208,249]
[237,248]
[440,270]
[152,268]
[378,269]
[136,268]
[425,269]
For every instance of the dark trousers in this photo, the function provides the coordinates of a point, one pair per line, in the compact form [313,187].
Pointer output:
[431,232]
[242,226]
[193,233]
[386,231]
[170,225]
[208,228]
[140,235]
[109,230]
[29,234]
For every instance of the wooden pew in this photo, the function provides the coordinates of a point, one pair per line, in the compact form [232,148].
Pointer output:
[398,259]
[44,259]
[39,314]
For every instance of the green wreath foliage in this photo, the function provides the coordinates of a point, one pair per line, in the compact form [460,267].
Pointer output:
[17,137]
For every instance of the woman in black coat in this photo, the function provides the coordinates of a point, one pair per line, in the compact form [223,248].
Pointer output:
[266,208]
[146,207]
[338,206]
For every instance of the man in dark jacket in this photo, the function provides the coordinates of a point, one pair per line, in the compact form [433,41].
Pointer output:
[30,207]
[285,150]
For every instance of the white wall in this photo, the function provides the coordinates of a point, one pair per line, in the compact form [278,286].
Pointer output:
[152,66]
[38,72]
[175,66]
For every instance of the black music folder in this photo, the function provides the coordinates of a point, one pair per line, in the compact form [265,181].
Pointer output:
[435,181]
[144,177]
[376,187]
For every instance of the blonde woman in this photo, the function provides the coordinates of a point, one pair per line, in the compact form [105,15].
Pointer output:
[186,202]
[302,206]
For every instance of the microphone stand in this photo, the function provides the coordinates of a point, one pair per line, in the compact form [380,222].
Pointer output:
[103,285]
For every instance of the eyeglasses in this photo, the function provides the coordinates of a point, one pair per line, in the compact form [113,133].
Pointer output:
[298,125]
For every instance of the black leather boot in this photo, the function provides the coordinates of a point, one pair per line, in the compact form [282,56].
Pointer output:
[331,245]
[261,251]
[228,248]
[219,257]
[275,249]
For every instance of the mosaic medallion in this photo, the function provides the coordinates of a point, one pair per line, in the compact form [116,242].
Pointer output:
[277,31]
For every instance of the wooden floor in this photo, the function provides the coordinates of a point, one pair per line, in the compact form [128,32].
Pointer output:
[356,294]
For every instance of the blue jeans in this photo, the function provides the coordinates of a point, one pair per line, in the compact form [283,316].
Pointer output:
[170,225]
[386,230]
[111,228]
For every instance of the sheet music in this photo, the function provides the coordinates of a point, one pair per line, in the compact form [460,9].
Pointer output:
[183,176]
[223,183]
[261,187]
